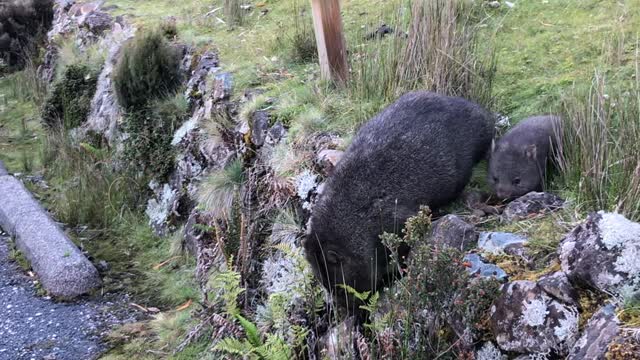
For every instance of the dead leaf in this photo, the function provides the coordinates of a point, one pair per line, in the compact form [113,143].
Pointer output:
[185,305]
[261,4]
[158,266]
[139,307]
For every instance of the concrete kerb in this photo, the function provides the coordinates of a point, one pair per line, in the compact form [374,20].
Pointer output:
[62,268]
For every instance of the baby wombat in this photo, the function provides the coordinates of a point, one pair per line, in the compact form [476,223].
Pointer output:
[519,159]
[418,151]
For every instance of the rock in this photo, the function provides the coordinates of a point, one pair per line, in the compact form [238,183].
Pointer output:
[97,22]
[558,286]
[3,170]
[482,269]
[306,183]
[603,253]
[62,268]
[276,133]
[531,204]
[454,232]
[502,243]
[222,86]
[197,85]
[161,207]
[489,351]
[337,343]
[598,334]
[105,115]
[328,159]
[259,127]
[493,4]
[524,319]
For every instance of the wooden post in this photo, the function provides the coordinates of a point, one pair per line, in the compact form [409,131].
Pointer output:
[332,52]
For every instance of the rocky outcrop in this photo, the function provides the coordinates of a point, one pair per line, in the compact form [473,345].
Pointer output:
[526,320]
[105,115]
[603,253]
[533,203]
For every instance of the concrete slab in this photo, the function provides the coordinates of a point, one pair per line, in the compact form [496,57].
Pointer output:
[62,268]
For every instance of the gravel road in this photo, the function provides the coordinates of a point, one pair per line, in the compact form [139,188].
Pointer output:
[36,327]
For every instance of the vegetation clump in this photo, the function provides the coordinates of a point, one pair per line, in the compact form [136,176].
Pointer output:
[145,79]
[147,70]
[69,102]
[23,26]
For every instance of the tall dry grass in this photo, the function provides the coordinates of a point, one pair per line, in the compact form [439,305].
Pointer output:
[437,51]
[600,159]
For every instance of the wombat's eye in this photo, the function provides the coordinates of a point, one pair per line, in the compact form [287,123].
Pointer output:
[516,181]
[495,179]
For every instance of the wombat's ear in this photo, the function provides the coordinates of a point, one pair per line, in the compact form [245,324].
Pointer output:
[530,151]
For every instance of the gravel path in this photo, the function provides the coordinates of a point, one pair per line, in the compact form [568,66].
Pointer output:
[36,327]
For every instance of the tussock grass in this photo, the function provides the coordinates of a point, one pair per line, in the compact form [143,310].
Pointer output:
[600,159]
[220,189]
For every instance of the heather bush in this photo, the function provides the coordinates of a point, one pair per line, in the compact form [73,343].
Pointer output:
[69,102]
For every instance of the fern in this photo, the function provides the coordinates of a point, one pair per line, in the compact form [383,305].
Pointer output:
[226,288]
[251,330]
[234,347]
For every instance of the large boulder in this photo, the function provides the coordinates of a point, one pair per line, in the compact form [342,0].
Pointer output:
[526,320]
[603,253]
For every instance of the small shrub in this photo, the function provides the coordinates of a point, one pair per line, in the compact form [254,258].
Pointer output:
[148,148]
[148,69]
[69,103]
[23,26]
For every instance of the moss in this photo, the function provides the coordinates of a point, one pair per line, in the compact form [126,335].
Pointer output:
[69,103]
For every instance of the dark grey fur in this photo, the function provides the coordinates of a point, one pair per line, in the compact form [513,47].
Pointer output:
[519,159]
[418,151]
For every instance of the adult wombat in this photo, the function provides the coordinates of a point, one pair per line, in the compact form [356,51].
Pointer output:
[519,159]
[418,151]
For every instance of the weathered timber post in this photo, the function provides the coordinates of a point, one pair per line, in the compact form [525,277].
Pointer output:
[332,51]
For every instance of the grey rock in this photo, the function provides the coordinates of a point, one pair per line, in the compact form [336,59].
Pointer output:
[493,4]
[3,170]
[161,207]
[531,204]
[603,253]
[558,286]
[501,242]
[482,269]
[197,84]
[526,320]
[452,231]
[105,115]
[222,86]
[259,127]
[62,268]
[97,22]
[276,133]
[600,332]
[328,159]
